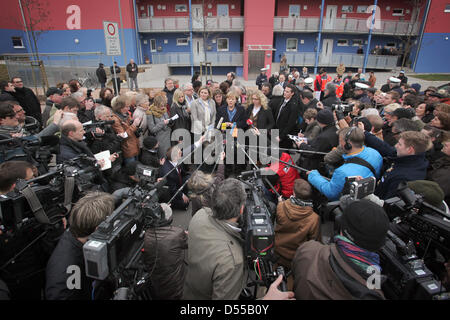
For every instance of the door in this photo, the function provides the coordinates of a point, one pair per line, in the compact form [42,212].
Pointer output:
[294,10]
[330,17]
[327,51]
[222,10]
[199,53]
[197,16]
[255,61]
[150,10]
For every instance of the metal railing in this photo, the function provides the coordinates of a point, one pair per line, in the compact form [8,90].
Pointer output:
[176,24]
[340,25]
[183,58]
[348,59]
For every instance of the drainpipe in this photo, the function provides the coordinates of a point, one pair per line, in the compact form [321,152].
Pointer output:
[191,53]
[422,31]
[320,36]
[366,56]
[138,41]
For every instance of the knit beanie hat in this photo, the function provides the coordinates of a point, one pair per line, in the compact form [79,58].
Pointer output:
[416,86]
[325,117]
[366,224]
[150,142]
[430,190]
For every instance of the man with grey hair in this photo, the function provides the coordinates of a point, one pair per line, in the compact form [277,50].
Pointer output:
[132,69]
[189,94]
[217,267]
[330,97]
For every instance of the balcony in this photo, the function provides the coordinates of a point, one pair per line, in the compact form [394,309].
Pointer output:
[181,24]
[307,59]
[182,59]
[338,25]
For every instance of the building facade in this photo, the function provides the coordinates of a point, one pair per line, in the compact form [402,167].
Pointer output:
[237,35]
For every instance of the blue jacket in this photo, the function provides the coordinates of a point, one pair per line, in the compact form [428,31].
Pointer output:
[332,189]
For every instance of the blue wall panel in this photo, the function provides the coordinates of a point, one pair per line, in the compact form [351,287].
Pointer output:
[434,54]
[6,45]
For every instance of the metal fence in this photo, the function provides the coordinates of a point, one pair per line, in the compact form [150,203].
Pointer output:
[53,68]
[183,58]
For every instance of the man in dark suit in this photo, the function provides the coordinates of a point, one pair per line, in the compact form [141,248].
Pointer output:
[175,177]
[286,118]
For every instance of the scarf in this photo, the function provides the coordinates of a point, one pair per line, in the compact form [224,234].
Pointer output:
[157,111]
[361,258]
[231,114]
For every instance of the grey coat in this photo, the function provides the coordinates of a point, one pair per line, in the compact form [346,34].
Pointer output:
[199,119]
[216,264]
[161,131]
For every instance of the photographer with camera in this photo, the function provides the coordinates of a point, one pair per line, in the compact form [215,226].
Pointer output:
[359,160]
[67,257]
[343,270]
[217,268]
[86,106]
[330,98]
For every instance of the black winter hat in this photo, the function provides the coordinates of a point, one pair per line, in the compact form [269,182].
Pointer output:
[149,142]
[402,113]
[130,168]
[325,117]
[366,224]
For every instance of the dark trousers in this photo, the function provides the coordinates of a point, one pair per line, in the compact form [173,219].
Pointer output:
[116,82]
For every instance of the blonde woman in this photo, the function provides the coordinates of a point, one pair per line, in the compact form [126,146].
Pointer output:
[259,112]
[181,108]
[142,106]
[203,112]
[158,123]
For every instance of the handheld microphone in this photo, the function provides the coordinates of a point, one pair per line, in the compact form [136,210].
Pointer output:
[250,123]
[219,124]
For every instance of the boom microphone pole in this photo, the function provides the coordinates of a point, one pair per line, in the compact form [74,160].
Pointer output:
[290,150]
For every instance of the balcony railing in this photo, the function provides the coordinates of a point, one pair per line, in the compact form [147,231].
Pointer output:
[348,59]
[176,24]
[174,59]
[339,25]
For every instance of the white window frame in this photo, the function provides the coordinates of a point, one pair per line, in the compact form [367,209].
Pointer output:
[228,44]
[153,49]
[181,41]
[299,10]
[296,45]
[341,44]
[357,44]
[347,7]
[21,41]
[447,8]
[228,9]
[181,8]
[361,9]
[398,14]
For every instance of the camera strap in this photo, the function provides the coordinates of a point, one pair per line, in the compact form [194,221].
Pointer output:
[362,162]
[35,205]
[69,185]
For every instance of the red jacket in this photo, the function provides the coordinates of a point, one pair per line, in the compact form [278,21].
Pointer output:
[287,174]
[320,83]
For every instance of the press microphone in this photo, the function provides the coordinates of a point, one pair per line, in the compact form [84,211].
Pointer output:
[219,124]
[250,123]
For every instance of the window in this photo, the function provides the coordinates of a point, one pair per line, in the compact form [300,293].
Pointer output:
[361,9]
[357,42]
[347,9]
[447,8]
[182,41]
[152,45]
[342,43]
[222,44]
[397,12]
[291,44]
[17,42]
[150,10]
[222,10]
[180,8]
[294,11]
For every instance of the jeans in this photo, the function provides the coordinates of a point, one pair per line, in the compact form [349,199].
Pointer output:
[132,83]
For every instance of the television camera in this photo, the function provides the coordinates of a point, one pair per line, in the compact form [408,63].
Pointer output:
[113,252]
[258,232]
[91,127]
[343,108]
[419,236]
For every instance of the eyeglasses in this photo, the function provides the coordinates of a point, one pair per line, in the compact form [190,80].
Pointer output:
[18,81]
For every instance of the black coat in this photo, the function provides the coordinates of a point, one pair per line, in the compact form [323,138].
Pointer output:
[274,105]
[262,78]
[440,171]
[6,96]
[117,71]
[29,102]
[101,74]
[131,73]
[240,117]
[169,95]
[149,158]
[69,149]
[68,252]
[174,181]
[329,100]
[287,121]
[265,118]
[326,140]
[164,249]
[184,119]
[121,180]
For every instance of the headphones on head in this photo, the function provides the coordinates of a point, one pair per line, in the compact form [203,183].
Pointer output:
[347,145]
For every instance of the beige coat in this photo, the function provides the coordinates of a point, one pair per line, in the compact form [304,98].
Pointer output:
[201,117]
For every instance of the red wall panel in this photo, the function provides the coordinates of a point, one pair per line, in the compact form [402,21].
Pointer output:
[438,21]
